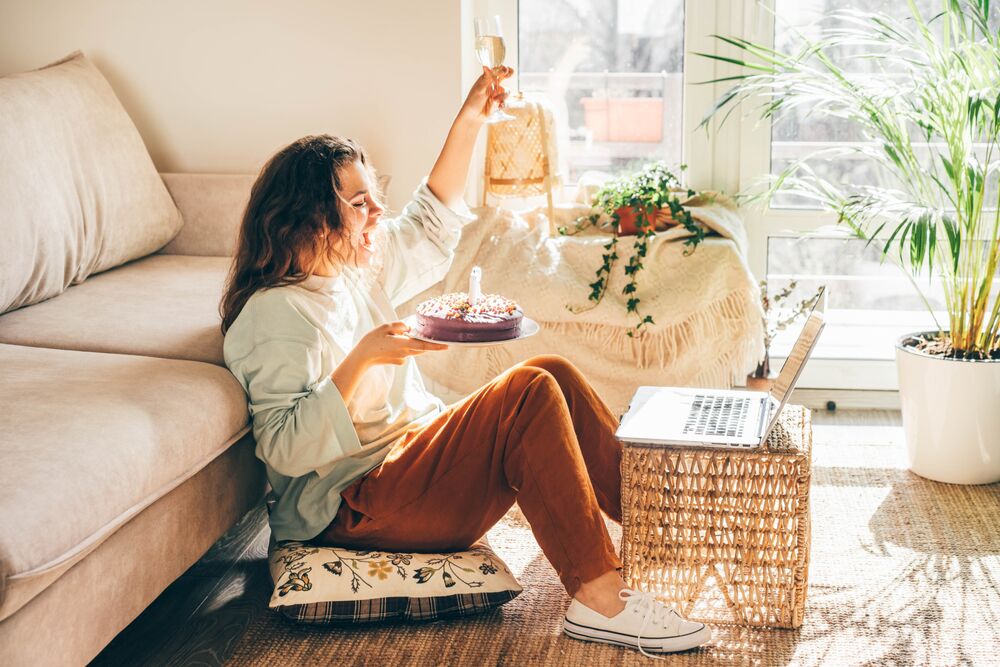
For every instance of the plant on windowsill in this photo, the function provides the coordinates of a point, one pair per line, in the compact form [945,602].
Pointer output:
[928,107]
[639,205]
[774,321]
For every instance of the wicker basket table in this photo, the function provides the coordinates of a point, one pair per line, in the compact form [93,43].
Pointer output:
[722,535]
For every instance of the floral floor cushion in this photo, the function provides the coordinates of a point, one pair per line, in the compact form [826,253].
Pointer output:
[333,585]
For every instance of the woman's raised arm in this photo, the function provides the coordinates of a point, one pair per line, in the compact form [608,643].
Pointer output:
[447,177]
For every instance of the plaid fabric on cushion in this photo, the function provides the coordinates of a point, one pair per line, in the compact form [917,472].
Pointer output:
[385,609]
[337,586]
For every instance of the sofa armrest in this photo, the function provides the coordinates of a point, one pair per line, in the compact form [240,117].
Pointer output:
[212,206]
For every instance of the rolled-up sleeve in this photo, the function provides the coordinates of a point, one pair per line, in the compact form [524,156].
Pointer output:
[420,245]
[300,420]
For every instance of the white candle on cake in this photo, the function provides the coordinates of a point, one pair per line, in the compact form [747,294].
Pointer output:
[475,291]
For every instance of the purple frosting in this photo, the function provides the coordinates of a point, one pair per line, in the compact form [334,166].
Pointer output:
[450,318]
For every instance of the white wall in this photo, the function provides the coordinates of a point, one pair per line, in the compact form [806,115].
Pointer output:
[218,86]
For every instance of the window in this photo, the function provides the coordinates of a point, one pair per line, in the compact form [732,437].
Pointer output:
[871,302]
[623,74]
[796,133]
[614,71]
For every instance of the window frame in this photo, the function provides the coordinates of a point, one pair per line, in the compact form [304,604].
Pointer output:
[763,223]
[715,167]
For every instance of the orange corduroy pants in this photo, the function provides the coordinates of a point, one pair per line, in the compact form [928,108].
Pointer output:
[538,434]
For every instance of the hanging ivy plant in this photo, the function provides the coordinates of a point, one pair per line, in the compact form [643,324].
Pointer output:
[633,204]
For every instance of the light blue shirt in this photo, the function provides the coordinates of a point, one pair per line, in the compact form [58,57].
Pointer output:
[285,344]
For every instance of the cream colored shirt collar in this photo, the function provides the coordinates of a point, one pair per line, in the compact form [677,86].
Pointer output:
[325,284]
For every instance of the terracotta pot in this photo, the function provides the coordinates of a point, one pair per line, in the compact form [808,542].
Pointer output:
[638,119]
[627,226]
[755,383]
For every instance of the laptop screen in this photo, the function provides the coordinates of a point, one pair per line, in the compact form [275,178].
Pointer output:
[797,357]
[792,367]
[800,351]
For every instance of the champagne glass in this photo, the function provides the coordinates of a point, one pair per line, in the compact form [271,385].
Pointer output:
[490,49]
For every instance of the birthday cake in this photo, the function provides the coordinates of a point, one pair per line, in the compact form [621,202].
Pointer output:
[453,318]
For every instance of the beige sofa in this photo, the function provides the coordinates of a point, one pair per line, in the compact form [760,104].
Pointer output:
[124,440]
[125,443]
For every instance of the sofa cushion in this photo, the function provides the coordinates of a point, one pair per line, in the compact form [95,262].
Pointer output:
[78,190]
[158,306]
[87,441]
[212,206]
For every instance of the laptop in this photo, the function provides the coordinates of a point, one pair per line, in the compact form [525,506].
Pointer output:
[730,419]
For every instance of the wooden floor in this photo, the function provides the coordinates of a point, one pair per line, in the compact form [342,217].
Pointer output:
[201,616]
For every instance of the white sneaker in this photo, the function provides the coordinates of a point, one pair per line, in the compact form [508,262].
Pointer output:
[645,624]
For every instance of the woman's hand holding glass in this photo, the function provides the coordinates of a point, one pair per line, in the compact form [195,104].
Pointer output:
[491,49]
[486,94]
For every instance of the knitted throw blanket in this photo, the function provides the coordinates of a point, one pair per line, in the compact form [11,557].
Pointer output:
[705,305]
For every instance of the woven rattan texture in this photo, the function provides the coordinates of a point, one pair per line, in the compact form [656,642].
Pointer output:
[723,535]
[519,162]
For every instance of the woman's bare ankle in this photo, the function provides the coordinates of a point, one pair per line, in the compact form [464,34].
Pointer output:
[601,594]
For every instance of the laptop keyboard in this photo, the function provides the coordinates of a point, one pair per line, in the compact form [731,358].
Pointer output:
[717,415]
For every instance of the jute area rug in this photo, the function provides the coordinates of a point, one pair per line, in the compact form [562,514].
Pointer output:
[904,572]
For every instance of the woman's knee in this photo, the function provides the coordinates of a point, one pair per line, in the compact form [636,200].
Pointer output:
[522,377]
[543,417]
[561,368]
[534,388]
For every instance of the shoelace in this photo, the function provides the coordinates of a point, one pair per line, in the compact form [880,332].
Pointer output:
[653,610]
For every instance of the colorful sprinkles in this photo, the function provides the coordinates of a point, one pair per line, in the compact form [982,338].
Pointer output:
[456,306]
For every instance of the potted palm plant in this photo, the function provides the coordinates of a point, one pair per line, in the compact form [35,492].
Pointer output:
[930,114]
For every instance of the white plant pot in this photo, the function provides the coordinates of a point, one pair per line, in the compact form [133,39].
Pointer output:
[951,416]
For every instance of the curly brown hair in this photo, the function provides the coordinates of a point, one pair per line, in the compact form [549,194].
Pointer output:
[291,220]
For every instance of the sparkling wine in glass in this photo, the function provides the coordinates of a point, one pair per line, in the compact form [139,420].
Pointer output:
[491,50]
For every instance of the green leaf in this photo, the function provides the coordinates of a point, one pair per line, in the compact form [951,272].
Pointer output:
[719,104]
[954,235]
[721,79]
[900,231]
[733,61]
[918,242]
[874,234]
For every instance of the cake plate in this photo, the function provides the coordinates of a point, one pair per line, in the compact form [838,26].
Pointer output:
[529,327]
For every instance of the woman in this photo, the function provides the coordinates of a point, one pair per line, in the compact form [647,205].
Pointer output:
[357,452]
